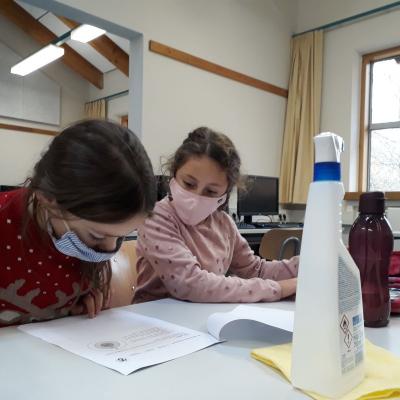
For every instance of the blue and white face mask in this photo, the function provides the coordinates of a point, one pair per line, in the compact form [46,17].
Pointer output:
[70,245]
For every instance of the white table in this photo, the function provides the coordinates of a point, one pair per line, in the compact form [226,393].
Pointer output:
[36,370]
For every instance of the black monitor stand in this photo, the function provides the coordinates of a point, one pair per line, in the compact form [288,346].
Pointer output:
[248,219]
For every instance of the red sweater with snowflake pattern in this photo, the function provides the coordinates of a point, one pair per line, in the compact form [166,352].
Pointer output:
[37,282]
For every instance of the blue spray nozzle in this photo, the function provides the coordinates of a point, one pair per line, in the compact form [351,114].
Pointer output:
[327,171]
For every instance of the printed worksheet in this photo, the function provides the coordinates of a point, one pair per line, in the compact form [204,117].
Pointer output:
[121,340]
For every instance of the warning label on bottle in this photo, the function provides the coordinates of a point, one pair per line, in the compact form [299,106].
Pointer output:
[351,322]
[344,324]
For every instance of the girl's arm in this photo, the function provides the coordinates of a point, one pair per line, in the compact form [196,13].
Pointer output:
[246,265]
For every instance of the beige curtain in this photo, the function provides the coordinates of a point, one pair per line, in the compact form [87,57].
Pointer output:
[96,109]
[302,121]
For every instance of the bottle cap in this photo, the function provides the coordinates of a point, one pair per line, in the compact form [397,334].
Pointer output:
[328,147]
[372,203]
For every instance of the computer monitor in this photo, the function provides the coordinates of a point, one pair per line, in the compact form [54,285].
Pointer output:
[260,197]
[6,188]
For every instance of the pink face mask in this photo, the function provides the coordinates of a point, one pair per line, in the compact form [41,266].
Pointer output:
[191,207]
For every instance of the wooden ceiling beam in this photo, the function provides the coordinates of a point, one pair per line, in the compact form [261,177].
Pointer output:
[16,14]
[106,47]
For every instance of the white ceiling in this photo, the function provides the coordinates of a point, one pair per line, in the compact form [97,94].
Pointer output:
[51,22]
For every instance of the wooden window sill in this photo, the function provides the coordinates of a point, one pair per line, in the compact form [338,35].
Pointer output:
[355,196]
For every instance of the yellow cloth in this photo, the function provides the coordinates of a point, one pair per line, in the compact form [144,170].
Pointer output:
[382,371]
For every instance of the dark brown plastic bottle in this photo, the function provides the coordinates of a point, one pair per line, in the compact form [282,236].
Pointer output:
[371,245]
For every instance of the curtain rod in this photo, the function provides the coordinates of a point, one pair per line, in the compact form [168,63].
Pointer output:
[353,18]
[112,96]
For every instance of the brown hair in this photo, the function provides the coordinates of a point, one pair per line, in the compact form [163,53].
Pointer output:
[204,141]
[99,171]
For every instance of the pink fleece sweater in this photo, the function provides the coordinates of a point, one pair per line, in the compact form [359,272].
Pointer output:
[210,262]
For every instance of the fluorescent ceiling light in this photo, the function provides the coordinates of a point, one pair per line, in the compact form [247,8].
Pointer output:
[85,33]
[37,60]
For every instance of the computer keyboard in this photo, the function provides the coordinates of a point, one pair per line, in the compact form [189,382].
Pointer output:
[244,225]
[268,225]
[278,225]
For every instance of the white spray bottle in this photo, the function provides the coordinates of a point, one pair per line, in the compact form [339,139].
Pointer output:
[328,337]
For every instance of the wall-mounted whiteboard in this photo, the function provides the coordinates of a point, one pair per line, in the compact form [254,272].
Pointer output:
[33,97]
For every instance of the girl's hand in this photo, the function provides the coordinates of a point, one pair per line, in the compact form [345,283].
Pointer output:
[91,304]
[288,287]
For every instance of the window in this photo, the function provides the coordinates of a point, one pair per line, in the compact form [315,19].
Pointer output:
[384,126]
[379,166]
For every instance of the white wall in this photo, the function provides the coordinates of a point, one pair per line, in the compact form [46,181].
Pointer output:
[20,150]
[344,48]
[114,82]
[117,107]
[74,90]
[314,13]
[33,97]
[248,36]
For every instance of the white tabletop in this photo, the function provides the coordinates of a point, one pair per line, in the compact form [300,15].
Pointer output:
[36,370]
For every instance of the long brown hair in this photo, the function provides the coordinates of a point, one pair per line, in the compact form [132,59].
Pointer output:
[96,170]
[204,141]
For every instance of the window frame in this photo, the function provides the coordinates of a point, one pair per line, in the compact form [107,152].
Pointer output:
[365,127]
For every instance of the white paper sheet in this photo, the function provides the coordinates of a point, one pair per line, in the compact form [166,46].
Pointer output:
[121,340]
[274,317]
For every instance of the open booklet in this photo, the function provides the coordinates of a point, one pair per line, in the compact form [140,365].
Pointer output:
[239,321]
[126,341]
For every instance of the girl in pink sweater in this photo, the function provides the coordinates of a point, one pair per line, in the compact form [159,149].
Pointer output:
[190,249]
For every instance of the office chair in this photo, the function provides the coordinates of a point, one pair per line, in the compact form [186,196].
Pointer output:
[123,266]
[280,243]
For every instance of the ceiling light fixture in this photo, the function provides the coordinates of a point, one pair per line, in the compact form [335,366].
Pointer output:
[85,33]
[37,60]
